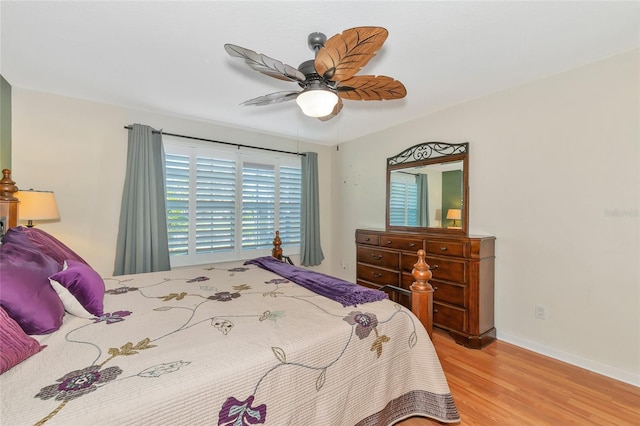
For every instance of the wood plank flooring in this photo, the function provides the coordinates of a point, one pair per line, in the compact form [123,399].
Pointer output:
[503,384]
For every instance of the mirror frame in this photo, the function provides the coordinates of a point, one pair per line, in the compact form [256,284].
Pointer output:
[432,153]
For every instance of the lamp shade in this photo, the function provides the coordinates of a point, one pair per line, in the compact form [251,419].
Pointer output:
[455,214]
[317,102]
[37,205]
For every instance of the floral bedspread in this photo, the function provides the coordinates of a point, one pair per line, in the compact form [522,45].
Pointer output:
[228,344]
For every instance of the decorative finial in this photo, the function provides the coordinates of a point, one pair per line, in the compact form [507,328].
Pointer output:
[277,251]
[7,186]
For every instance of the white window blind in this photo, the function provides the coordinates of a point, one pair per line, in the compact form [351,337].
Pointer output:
[177,188]
[403,202]
[215,196]
[258,205]
[224,205]
[289,206]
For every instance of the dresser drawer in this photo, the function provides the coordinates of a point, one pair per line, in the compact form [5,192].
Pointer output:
[406,281]
[442,292]
[372,256]
[446,248]
[408,244]
[450,293]
[370,239]
[447,269]
[377,275]
[407,260]
[449,317]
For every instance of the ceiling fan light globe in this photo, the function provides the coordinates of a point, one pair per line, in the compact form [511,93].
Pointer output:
[317,102]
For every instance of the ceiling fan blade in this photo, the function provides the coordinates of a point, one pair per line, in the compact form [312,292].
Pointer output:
[265,64]
[371,88]
[336,111]
[272,98]
[344,54]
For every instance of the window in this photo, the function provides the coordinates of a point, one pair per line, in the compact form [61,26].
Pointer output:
[403,201]
[226,204]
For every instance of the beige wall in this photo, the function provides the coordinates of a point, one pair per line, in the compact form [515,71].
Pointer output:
[5,124]
[554,175]
[78,149]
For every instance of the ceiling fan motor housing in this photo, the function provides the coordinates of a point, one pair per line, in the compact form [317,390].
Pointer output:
[313,80]
[308,68]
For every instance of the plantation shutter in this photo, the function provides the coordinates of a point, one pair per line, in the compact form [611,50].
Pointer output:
[412,204]
[289,206]
[215,205]
[177,187]
[403,202]
[258,205]
[225,205]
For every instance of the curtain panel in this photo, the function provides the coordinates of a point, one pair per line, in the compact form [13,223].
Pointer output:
[310,249]
[423,200]
[142,244]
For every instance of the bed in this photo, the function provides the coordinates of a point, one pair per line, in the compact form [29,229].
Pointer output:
[227,344]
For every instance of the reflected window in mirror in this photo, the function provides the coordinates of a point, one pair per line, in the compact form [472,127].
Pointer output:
[403,200]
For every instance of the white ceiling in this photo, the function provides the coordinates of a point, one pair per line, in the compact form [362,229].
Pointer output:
[169,57]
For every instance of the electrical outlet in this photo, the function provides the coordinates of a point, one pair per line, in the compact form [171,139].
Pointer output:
[541,312]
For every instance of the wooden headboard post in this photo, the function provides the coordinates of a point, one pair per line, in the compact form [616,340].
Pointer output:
[277,250]
[8,203]
[422,293]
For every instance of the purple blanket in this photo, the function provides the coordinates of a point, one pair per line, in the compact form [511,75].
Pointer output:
[349,294]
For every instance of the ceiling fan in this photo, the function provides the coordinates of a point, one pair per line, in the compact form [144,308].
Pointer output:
[330,77]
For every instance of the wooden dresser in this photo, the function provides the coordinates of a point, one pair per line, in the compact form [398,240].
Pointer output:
[463,277]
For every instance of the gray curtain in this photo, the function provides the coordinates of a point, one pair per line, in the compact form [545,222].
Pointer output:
[142,236]
[423,200]
[310,250]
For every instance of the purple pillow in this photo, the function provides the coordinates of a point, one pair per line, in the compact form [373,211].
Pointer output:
[16,345]
[25,292]
[46,243]
[80,288]
[17,236]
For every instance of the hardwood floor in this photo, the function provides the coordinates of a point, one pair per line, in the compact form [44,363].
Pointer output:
[503,384]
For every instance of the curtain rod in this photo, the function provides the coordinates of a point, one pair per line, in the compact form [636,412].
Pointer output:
[224,143]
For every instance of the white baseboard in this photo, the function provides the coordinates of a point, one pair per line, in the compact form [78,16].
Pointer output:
[578,361]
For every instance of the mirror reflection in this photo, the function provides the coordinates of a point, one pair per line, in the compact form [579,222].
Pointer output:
[427,196]
[427,188]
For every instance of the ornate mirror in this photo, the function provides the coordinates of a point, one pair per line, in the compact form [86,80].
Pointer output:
[428,188]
